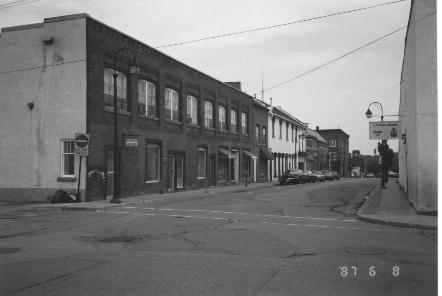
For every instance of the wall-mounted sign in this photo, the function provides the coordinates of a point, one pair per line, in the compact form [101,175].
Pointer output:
[384,130]
[130,142]
[81,144]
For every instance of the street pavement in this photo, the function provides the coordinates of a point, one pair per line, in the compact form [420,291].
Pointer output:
[265,240]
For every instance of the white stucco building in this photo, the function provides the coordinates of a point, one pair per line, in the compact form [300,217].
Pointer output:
[287,138]
[418,108]
[43,102]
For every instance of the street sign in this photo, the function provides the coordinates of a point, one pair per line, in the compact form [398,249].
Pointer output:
[81,144]
[131,142]
[384,130]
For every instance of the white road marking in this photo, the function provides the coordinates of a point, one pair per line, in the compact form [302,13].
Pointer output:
[340,227]
[242,213]
[261,222]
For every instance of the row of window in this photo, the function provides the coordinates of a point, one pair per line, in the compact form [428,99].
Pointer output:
[286,131]
[147,104]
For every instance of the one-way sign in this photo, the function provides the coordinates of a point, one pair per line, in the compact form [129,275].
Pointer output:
[81,144]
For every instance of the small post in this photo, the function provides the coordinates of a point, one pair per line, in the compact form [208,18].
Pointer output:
[247,179]
[207,185]
[79,178]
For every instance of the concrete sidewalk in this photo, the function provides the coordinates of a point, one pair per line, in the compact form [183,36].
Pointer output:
[149,198]
[390,206]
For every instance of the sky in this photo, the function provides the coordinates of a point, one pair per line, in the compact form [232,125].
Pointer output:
[335,96]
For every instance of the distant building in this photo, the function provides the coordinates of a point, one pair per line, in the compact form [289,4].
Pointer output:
[317,151]
[286,140]
[418,108]
[338,142]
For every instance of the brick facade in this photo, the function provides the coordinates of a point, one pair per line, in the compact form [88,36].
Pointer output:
[175,138]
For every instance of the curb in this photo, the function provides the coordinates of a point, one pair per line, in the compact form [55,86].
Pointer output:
[188,195]
[396,223]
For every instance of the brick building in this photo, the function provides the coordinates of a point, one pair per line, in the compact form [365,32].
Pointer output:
[178,128]
[317,151]
[338,142]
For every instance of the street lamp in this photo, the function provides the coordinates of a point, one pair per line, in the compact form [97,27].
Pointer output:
[369,114]
[116,193]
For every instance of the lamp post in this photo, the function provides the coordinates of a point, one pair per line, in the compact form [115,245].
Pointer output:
[369,114]
[116,193]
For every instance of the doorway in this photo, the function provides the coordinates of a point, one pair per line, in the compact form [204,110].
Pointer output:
[175,171]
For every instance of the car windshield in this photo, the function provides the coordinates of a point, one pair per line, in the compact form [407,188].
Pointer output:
[308,172]
[293,172]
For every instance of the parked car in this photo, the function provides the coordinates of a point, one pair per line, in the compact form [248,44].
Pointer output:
[369,175]
[307,177]
[336,175]
[290,177]
[319,175]
[329,176]
[392,174]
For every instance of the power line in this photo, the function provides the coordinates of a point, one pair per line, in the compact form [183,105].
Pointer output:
[16,3]
[280,25]
[39,67]
[346,54]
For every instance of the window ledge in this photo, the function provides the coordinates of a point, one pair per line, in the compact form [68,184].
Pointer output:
[148,117]
[151,182]
[121,112]
[193,125]
[173,122]
[66,179]
[201,178]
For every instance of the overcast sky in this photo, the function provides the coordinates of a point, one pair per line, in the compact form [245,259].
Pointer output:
[335,96]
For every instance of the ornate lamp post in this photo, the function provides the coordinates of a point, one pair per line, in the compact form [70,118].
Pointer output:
[116,193]
[369,114]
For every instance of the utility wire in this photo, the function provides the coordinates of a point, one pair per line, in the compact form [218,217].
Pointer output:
[16,3]
[346,54]
[39,67]
[280,25]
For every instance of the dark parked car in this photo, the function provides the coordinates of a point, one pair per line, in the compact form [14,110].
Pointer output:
[335,175]
[329,176]
[307,177]
[290,177]
[319,175]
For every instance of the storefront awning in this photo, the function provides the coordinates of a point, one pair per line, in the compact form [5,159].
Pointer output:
[267,152]
[227,153]
[250,154]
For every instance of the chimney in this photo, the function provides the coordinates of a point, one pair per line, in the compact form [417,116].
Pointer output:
[235,84]
[317,128]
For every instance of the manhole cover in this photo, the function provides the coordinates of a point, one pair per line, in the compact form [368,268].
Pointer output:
[9,250]
[119,239]
[365,250]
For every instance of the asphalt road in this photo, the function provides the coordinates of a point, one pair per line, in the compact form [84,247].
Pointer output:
[281,240]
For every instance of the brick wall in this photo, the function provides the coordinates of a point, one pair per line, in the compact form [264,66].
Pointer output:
[102,43]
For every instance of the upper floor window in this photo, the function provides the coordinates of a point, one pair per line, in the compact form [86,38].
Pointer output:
[244,123]
[208,114]
[280,129]
[67,158]
[293,129]
[257,133]
[172,105]
[264,135]
[222,118]
[332,142]
[147,98]
[287,132]
[192,110]
[234,120]
[109,89]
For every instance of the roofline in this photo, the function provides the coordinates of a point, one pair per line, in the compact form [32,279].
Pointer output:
[333,130]
[290,117]
[87,16]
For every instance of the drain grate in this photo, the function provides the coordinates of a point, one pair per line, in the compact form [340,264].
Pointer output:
[119,239]
[9,250]
[365,250]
